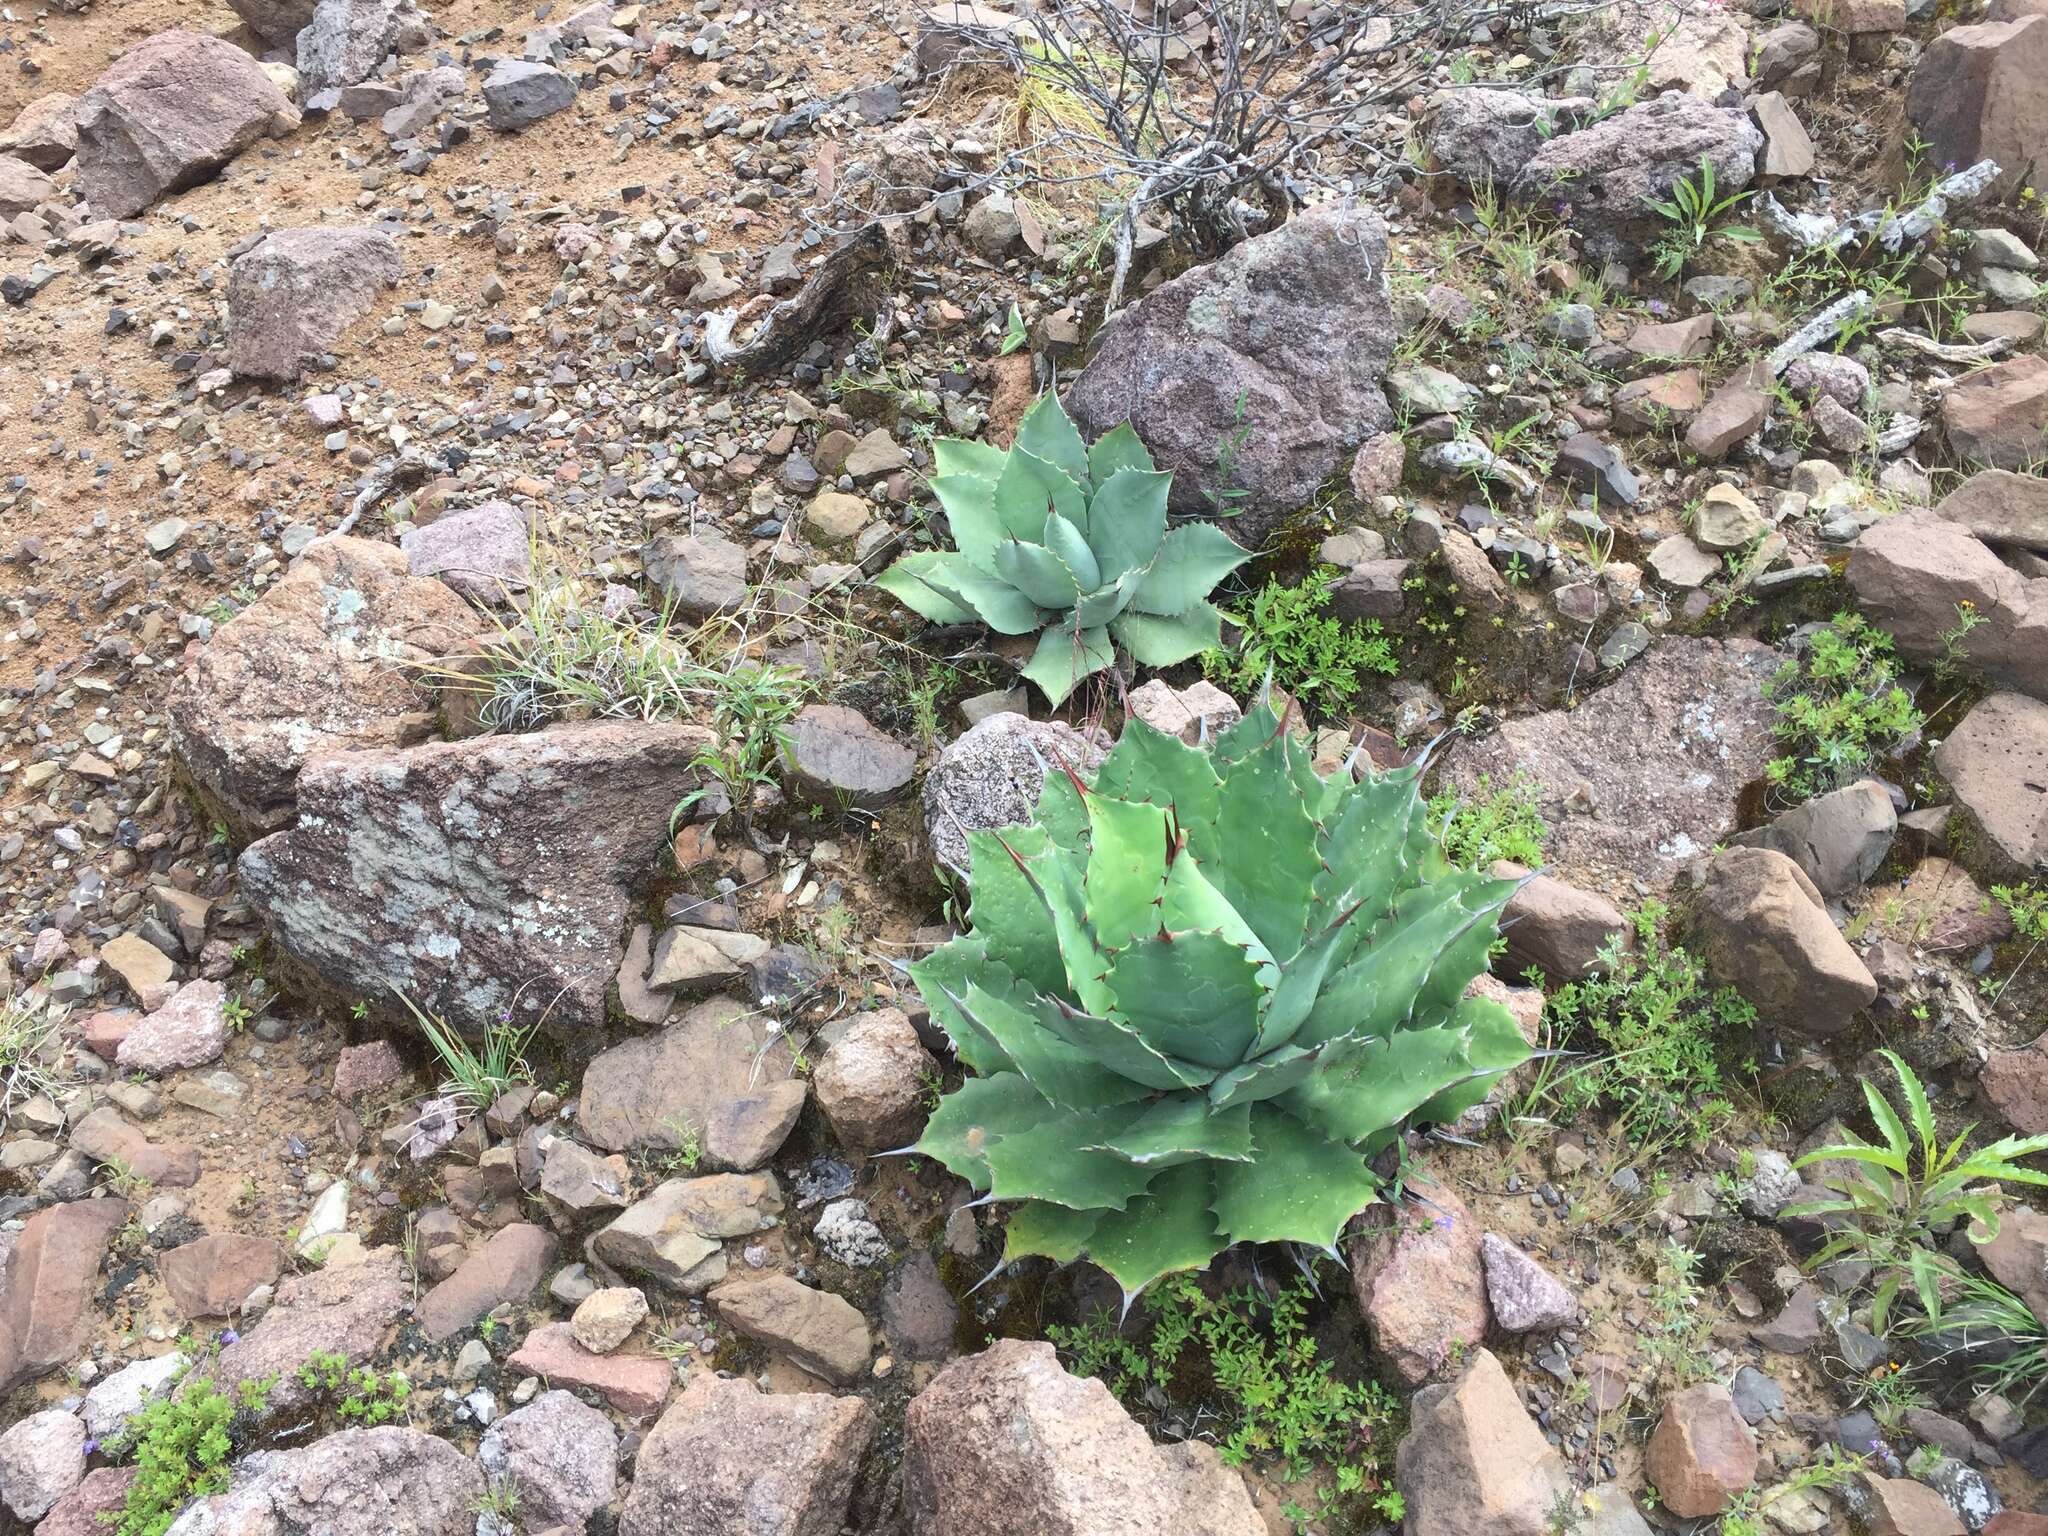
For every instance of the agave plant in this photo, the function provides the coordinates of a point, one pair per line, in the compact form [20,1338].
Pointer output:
[1200,994]
[1069,542]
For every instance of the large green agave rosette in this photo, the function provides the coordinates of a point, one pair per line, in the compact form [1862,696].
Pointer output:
[1069,542]
[1197,997]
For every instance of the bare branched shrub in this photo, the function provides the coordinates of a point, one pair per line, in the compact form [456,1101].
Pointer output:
[1222,115]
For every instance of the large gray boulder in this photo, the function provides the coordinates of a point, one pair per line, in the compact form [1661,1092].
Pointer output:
[166,115]
[328,659]
[1251,378]
[702,1471]
[347,39]
[991,776]
[1482,136]
[360,1482]
[1608,174]
[292,295]
[277,22]
[22,187]
[1645,775]
[483,879]
[1006,1443]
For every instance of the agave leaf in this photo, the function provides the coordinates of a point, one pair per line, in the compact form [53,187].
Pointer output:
[1164,1231]
[1301,1186]
[1056,877]
[1181,1128]
[1011,1015]
[1154,641]
[1118,448]
[1408,961]
[1127,520]
[958,586]
[1191,560]
[1147,764]
[1009,902]
[918,582]
[942,976]
[1038,573]
[1373,847]
[1062,813]
[1127,870]
[1265,1077]
[1064,657]
[1300,983]
[1040,1229]
[1495,1046]
[1121,1049]
[1026,487]
[1050,1161]
[969,502]
[1105,603]
[958,456]
[1195,996]
[1253,729]
[1270,866]
[1046,430]
[1064,540]
[1363,1085]
[1191,902]
[970,1119]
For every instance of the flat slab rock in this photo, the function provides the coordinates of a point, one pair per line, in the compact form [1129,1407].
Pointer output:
[643,1092]
[292,295]
[318,663]
[1645,775]
[48,1274]
[483,878]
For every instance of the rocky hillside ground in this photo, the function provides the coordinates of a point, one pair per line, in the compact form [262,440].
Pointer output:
[540,543]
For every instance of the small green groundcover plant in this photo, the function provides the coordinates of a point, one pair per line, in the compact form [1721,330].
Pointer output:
[1250,1361]
[1292,639]
[1198,996]
[1839,708]
[1068,542]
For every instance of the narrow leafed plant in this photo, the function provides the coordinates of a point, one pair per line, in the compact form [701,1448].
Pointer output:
[1199,995]
[1069,542]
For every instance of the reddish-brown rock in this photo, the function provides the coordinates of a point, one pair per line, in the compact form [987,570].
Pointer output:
[1999,417]
[1760,926]
[1473,1462]
[1899,1506]
[293,294]
[871,1083]
[1981,92]
[505,1269]
[78,1513]
[1702,1454]
[348,1311]
[166,115]
[327,660]
[701,1471]
[48,1273]
[636,1385]
[1996,764]
[105,1137]
[212,1276]
[1418,1279]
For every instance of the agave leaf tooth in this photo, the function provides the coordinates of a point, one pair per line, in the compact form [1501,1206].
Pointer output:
[1194,996]
[1064,657]
[1039,1229]
[1118,448]
[1047,431]
[1065,540]
[1049,1161]
[1127,522]
[1302,1186]
[1164,1231]
[969,1120]
[1154,641]
[1250,731]
[994,1269]
[1181,1127]
[1061,812]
